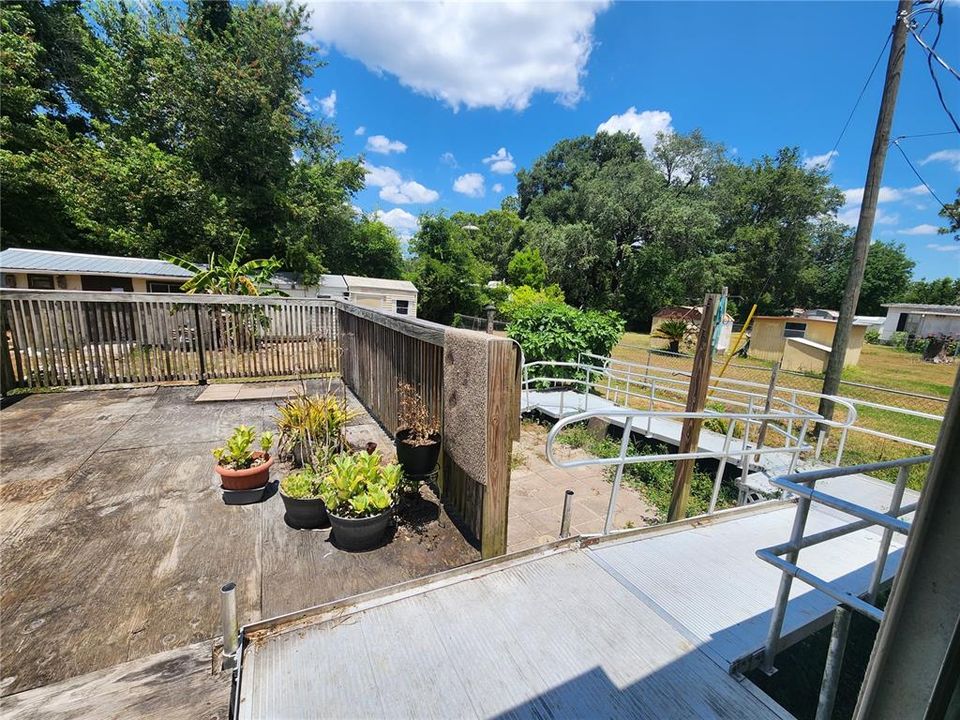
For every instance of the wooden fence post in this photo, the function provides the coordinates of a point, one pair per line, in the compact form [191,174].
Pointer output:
[696,397]
[502,407]
[200,348]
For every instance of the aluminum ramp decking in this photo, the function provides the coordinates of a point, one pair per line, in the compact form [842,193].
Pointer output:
[552,636]
[648,624]
[550,403]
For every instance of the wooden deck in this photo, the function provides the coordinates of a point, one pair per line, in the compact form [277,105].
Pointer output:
[115,540]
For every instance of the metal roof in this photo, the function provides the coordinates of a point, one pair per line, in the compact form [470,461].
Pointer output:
[354,281]
[934,309]
[14,259]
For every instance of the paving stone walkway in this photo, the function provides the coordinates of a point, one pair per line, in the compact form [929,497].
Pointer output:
[537,489]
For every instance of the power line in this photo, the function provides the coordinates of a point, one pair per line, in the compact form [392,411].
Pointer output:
[862,91]
[922,135]
[896,144]
[936,11]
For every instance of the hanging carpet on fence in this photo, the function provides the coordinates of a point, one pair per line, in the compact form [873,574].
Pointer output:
[465,426]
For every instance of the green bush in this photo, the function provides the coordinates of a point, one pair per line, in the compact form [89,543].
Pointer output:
[898,340]
[524,296]
[558,332]
[872,336]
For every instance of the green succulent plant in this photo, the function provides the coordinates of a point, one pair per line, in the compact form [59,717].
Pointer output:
[236,454]
[302,485]
[359,485]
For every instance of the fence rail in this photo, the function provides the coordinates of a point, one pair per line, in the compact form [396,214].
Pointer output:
[80,339]
[380,351]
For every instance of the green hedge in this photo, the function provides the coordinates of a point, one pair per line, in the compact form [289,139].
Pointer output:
[555,331]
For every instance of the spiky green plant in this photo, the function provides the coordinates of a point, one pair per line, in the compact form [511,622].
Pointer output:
[675,332]
[223,276]
[236,454]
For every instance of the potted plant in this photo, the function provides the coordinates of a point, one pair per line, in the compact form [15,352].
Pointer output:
[359,492]
[241,469]
[312,424]
[418,434]
[304,506]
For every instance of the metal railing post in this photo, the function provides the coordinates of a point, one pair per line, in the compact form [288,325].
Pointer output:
[831,673]
[783,592]
[624,446]
[895,500]
[843,441]
[228,623]
[586,391]
[795,456]
[821,436]
[720,468]
[565,517]
[653,392]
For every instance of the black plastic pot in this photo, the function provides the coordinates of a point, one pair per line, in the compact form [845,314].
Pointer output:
[357,534]
[305,514]
[243,497]
[417,460]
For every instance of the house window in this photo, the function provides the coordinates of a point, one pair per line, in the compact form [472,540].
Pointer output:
[163,287]
[794,329]
[40,282]
[403,307]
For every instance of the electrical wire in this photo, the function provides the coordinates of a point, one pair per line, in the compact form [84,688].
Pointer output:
[922,135]
[935,11]
[896,144]
[862,91]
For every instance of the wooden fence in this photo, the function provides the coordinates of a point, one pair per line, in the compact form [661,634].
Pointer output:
[76,339]
[59,339]
[380,351]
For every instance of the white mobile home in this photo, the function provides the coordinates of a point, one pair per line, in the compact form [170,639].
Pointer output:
[921,320]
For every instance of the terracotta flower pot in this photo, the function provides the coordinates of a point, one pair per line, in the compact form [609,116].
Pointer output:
[248,479]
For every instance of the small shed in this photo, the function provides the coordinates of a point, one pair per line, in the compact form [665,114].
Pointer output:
[772,339]
[921,320]
[395,296]
[692,314]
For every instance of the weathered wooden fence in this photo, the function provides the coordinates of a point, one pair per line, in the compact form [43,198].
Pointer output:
[379,351]
[75,339]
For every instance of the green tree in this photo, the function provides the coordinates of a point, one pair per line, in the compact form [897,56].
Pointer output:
[446,272]
[527,268]
[943,291]
[493,236]
[951,213]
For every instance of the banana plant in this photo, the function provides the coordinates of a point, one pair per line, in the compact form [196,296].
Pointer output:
[223,276]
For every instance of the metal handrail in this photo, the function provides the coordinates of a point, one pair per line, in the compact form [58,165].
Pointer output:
[628,416]
[803,486]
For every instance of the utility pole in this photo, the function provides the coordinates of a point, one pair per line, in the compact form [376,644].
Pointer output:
[868,208]
[696,397]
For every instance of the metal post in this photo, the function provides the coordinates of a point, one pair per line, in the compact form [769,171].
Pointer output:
[720,468]
[793,409]
[762,432]
[843,441]
[228,623]
[783,592]
[831,673]
[653,392]
[624,447]
[567,510]
[200,350]
[821,436]
[895,501]
[795,457]
[586,396]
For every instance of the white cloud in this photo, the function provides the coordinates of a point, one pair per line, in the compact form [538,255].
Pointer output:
[645,125]
[824,162]
[945,247]
[384,145]
[328,104]
[470,185]
[361,130]
[947,156]
[404,223]
[850,215]
[408,192]
[497,187]
[381,175]
[925,229]
[303,101]
[448,158]
[393,188]
[886,194]
[468,54]
[501,162]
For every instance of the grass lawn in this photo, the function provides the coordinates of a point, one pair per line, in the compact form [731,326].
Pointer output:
[879,365]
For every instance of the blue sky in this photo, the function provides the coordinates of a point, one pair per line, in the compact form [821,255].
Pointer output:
[446,101]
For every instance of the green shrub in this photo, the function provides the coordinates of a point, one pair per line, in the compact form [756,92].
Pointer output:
[524,296]
[898,339]
[558,332]
[872,336]
[236,454]
[359,485]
